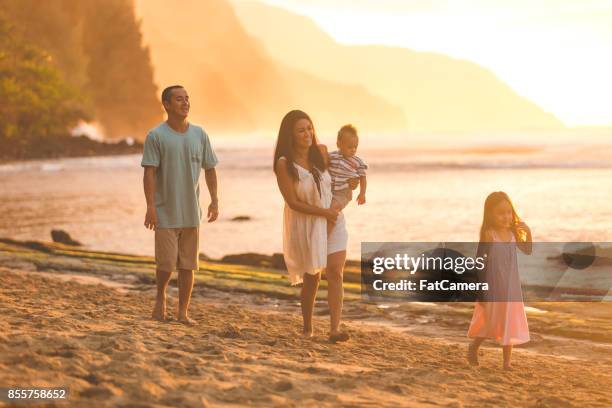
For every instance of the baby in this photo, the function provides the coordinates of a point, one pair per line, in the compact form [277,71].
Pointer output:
[343,166]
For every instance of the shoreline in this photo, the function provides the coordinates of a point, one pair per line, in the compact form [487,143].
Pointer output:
[273,263]
[73,147]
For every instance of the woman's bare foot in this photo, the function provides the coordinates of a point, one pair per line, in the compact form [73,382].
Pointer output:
[472,355]
[159,311]
[307,332]
[508,367]
[186,321]
[338,337]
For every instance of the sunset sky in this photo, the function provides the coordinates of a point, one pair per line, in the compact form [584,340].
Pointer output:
[557,53]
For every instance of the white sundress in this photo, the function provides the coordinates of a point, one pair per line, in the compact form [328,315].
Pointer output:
[305,236]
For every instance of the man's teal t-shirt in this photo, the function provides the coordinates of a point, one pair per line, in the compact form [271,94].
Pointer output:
[178,158]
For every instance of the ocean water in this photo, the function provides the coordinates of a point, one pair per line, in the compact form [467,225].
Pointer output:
[417,192]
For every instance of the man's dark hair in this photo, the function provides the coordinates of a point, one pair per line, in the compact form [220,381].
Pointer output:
[167,93]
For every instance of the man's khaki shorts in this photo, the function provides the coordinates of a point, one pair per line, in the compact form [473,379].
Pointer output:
[176,248]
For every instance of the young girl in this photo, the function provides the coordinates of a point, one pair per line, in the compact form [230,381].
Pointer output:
[502,317]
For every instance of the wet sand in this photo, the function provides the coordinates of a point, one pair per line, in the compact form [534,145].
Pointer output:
[99,342]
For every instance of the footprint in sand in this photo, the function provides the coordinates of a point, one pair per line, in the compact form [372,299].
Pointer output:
[283,386]
[101,391]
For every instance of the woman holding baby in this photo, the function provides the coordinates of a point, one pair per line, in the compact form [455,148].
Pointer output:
[301,168]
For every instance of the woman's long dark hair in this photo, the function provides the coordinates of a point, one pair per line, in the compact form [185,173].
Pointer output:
[284,146]
[487,219]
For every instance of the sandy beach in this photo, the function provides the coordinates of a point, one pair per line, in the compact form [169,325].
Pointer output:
[93,335]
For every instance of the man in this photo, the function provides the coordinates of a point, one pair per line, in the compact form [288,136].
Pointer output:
[174,153]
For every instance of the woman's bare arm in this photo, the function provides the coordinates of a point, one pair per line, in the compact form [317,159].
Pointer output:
[287,189]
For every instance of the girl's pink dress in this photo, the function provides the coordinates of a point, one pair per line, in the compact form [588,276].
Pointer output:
[503,321]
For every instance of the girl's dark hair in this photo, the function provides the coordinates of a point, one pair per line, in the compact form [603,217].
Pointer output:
[487,219]
[284,146]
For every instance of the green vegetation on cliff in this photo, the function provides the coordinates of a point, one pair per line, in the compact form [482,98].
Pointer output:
[79,60]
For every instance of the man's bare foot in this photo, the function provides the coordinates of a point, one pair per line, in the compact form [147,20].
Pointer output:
[508,367]
[472,355]
[186,321]
[159,311]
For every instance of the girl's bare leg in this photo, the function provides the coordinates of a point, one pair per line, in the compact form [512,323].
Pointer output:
[473,350]
[308,296]
[507,356]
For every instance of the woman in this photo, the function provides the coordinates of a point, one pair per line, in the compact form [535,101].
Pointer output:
[300,165]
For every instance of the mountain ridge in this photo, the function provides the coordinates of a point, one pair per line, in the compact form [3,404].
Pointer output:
[436,92]
[235,85]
